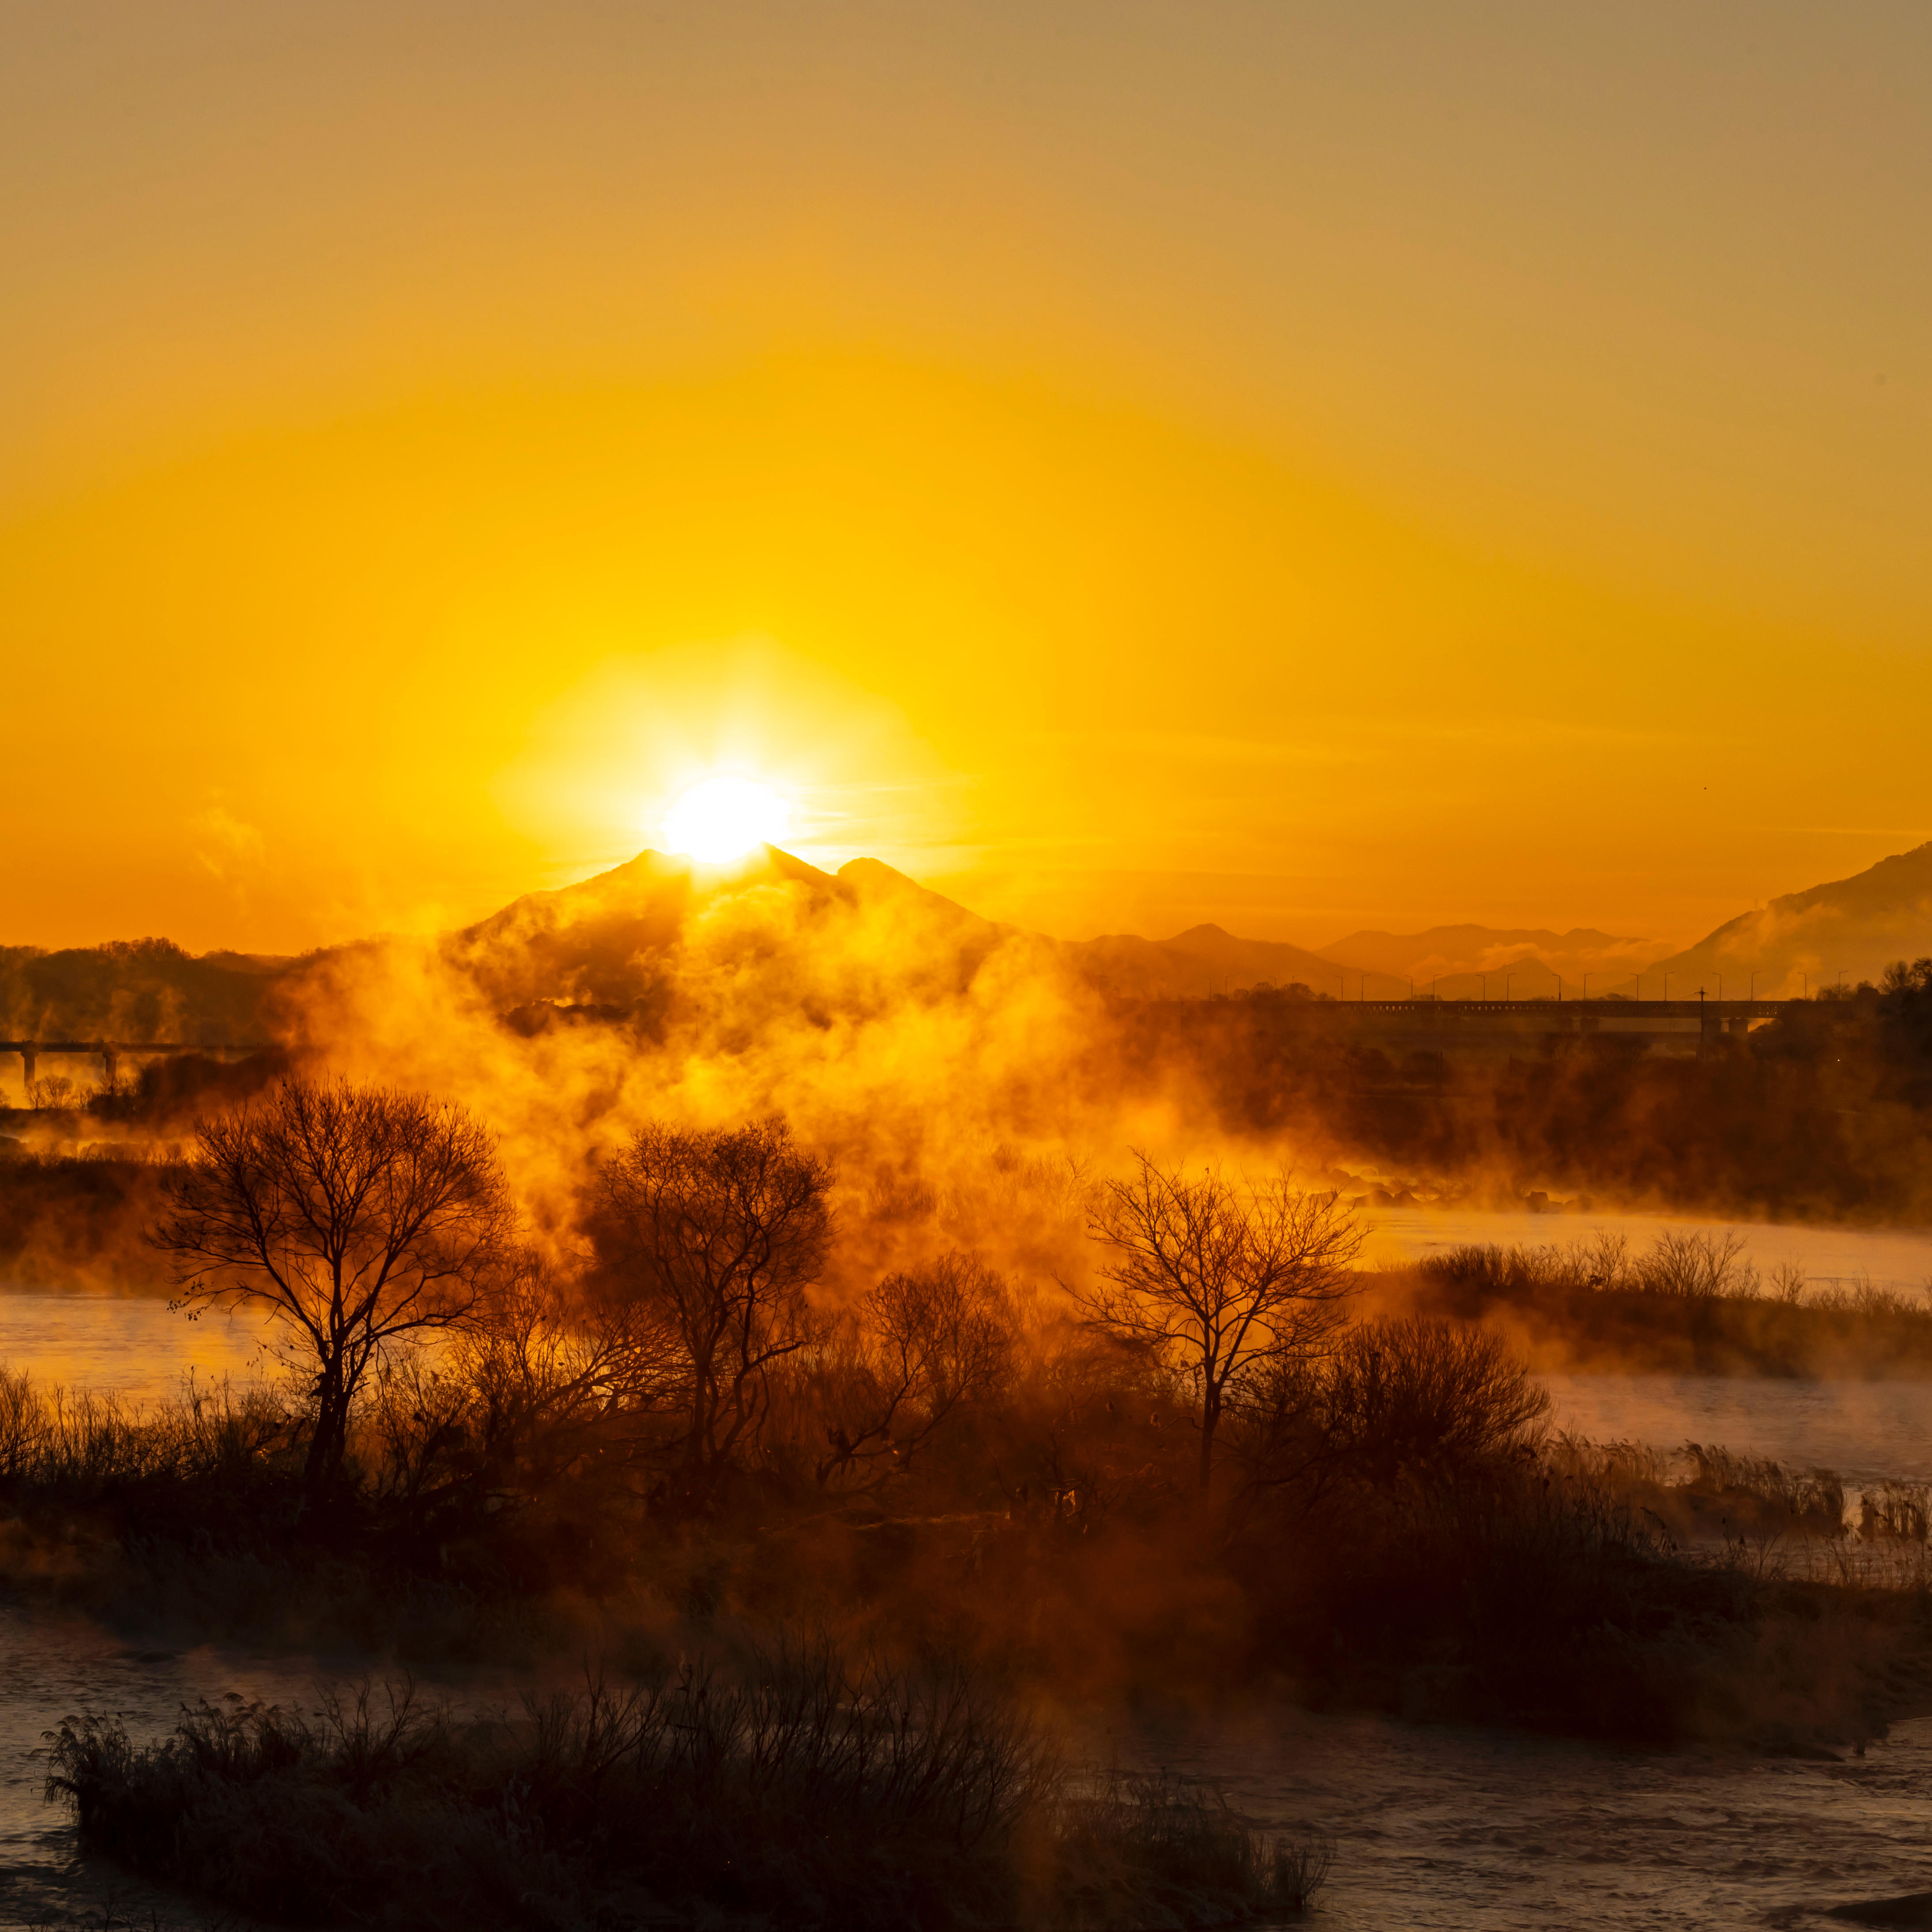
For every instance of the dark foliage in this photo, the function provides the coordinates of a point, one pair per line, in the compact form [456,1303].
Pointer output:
[1825,1114]
[358,1218]
[131,990]
[69,1220]
[794,1788]
[1692,1305]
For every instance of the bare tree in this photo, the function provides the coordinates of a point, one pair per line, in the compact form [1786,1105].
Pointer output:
[54,1093]
[718,1233]
[1220,1279]
[540,1382]
[357,1216]
[920,1346]
[1398,1397]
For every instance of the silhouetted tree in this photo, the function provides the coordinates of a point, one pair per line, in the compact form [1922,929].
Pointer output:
[1219,1279]
[552,1378]
[717,1234]
[357,1216]
[1413,1399]
[919,1346]
[1417,1395]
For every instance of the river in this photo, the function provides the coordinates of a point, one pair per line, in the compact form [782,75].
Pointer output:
[132,1346]
[1897,1258]
[1449,1827]
[1435,1826]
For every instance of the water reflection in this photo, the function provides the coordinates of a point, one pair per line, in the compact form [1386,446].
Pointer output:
[132,1346]
[1866,1431]
[1447,1827]
[53,1668]
[1437,1827]
[1897,1258]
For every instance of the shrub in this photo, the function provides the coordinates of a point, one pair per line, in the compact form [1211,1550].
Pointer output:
[1134,1840]
[797,1787]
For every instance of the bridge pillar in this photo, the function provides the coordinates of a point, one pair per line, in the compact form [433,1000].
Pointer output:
[29,1059]
[1710,1030]
[108,1063]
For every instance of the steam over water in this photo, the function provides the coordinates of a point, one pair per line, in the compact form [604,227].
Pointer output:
[52,1669]
[1897,1258]
[1436,1825]
[1865,1431]
[1454,1827]
[137,1349]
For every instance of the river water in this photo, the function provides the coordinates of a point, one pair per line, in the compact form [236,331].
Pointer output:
[55,1668]
[1445,1827]
[1435,1826]
[1897,1259]
[133,1346]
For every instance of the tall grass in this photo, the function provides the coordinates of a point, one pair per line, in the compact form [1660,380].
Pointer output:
[1692,1301]
[67,1446]
[796,1788]
[1125,1840]
[1684,1265]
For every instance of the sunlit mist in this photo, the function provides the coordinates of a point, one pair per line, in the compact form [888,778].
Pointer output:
[723,818]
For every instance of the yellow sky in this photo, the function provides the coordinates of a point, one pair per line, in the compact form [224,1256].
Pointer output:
[1298,466]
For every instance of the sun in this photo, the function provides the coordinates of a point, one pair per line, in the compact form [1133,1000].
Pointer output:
[724,817]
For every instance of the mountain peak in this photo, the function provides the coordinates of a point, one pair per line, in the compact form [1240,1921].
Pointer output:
[1849,929]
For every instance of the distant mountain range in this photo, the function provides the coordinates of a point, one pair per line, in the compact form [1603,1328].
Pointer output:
[604,943]
[1200,962]
[1462,962]
[1851,929]
[135,990]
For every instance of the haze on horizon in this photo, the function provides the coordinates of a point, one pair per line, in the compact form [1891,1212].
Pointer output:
[1302,468]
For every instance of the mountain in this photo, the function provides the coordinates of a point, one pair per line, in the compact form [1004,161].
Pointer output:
[1854,927]
[139,989]
[1454,962]
[656,932]
[593,943]
[631,940]
[1203,960]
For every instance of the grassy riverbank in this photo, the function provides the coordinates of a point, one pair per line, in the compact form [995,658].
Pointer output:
[1693,1304]
[790,1789]
[1397,1532]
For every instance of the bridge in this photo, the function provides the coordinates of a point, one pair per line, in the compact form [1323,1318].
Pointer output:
[1487,1028]
[111,1052]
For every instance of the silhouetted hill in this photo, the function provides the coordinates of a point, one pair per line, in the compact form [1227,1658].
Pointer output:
[902,909]
[1454,960]
[612,944]
[1193,964]
[137,990]
[596,942]
[656,932]
[1855,927]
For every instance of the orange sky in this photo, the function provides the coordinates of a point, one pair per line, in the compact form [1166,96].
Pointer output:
[1298,466]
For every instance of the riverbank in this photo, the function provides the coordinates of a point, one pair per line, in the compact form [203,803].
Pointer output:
[1692,1303]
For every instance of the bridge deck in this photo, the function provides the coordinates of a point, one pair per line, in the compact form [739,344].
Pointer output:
[1423,1006]
[126,1046]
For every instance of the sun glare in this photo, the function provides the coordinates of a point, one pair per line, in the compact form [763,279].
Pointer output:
[723,818]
